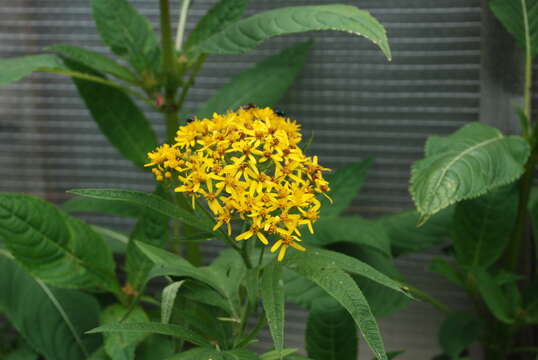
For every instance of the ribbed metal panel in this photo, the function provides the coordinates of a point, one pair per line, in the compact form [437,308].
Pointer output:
[357,104]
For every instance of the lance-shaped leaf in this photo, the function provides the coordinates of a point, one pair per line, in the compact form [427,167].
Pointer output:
[94,60]
[53,247]
[52,321]
[122,346]
[153,328]
[246,34]
[330,332]
[117,116]
[110,207]
[493,296]
[222,14]
[406,237]
[264,84]
[343,289]
[512,15]
[168,299]
[14,69]
[150,201]
[127,33]
[482,226]
[273,302]
[472,161]
[345,184]
[151,228]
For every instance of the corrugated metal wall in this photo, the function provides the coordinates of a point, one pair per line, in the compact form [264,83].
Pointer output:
[357,104]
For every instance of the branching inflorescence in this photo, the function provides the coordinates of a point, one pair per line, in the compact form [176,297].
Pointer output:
[248,166]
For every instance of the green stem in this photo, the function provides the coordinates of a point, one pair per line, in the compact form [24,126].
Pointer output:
[254,332]
[421,295]
[528,64]
[181,24]
[194,72]
[245,255]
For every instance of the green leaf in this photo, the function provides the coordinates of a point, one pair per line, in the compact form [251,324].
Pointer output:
[127,33]
[482,226]
[122,346]
[493,296]
[532,206]
[155,347]
[394,354]
[95,61]
[351,229]
[110,207]
[22,353]
[116,241]
[153,328]
[301,291]
[222,14]
[449,271]
[345,184]
[405,237]
[151,228]
[264,84]
[168,299]
[246,34]
[511,15]
[52,321]
[117,116]
[275,355]
[272,292]
[14,69]
[343,288]
[213,354]
[147,200]
[472,161]
[330,332]
[457,333]
[53,247]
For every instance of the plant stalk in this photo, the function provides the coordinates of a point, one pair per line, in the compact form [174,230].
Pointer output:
[181,24]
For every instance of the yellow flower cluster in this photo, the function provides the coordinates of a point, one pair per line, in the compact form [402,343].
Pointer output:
[247,164]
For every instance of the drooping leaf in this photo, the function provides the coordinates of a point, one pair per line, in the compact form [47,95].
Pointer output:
[493,296]
[351,229]
[264,84]
[472,161]
[405,237]
[511,15]
[458,331]
[246,34]
[151,228]
[482,226]
[127,33]
[52,321]
[117,116]
[94,60]
[110,207]
[222,14]
[122,346]
[53,247]
[345,184]
[343,289]
[147,200]
[330,332]
[153,328]
[14,69]
[168,298]
[272,291]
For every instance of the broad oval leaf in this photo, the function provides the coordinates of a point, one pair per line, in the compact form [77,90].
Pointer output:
[511,14]
[330,332]
[272,291]
[246,34]
[14,69]
[52,321]
[117,116]
[127,33]
[222,14]
[342,288]
[53,247]
[482,226]
[263,84]
[345,184]
[153,328]
[95,61]
[472,161]
[120,346]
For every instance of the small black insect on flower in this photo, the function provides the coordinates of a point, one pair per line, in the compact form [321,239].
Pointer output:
[280,112]
[189,120]
[249,106]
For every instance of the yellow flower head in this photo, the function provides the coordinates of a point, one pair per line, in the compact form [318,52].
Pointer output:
[248,166]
